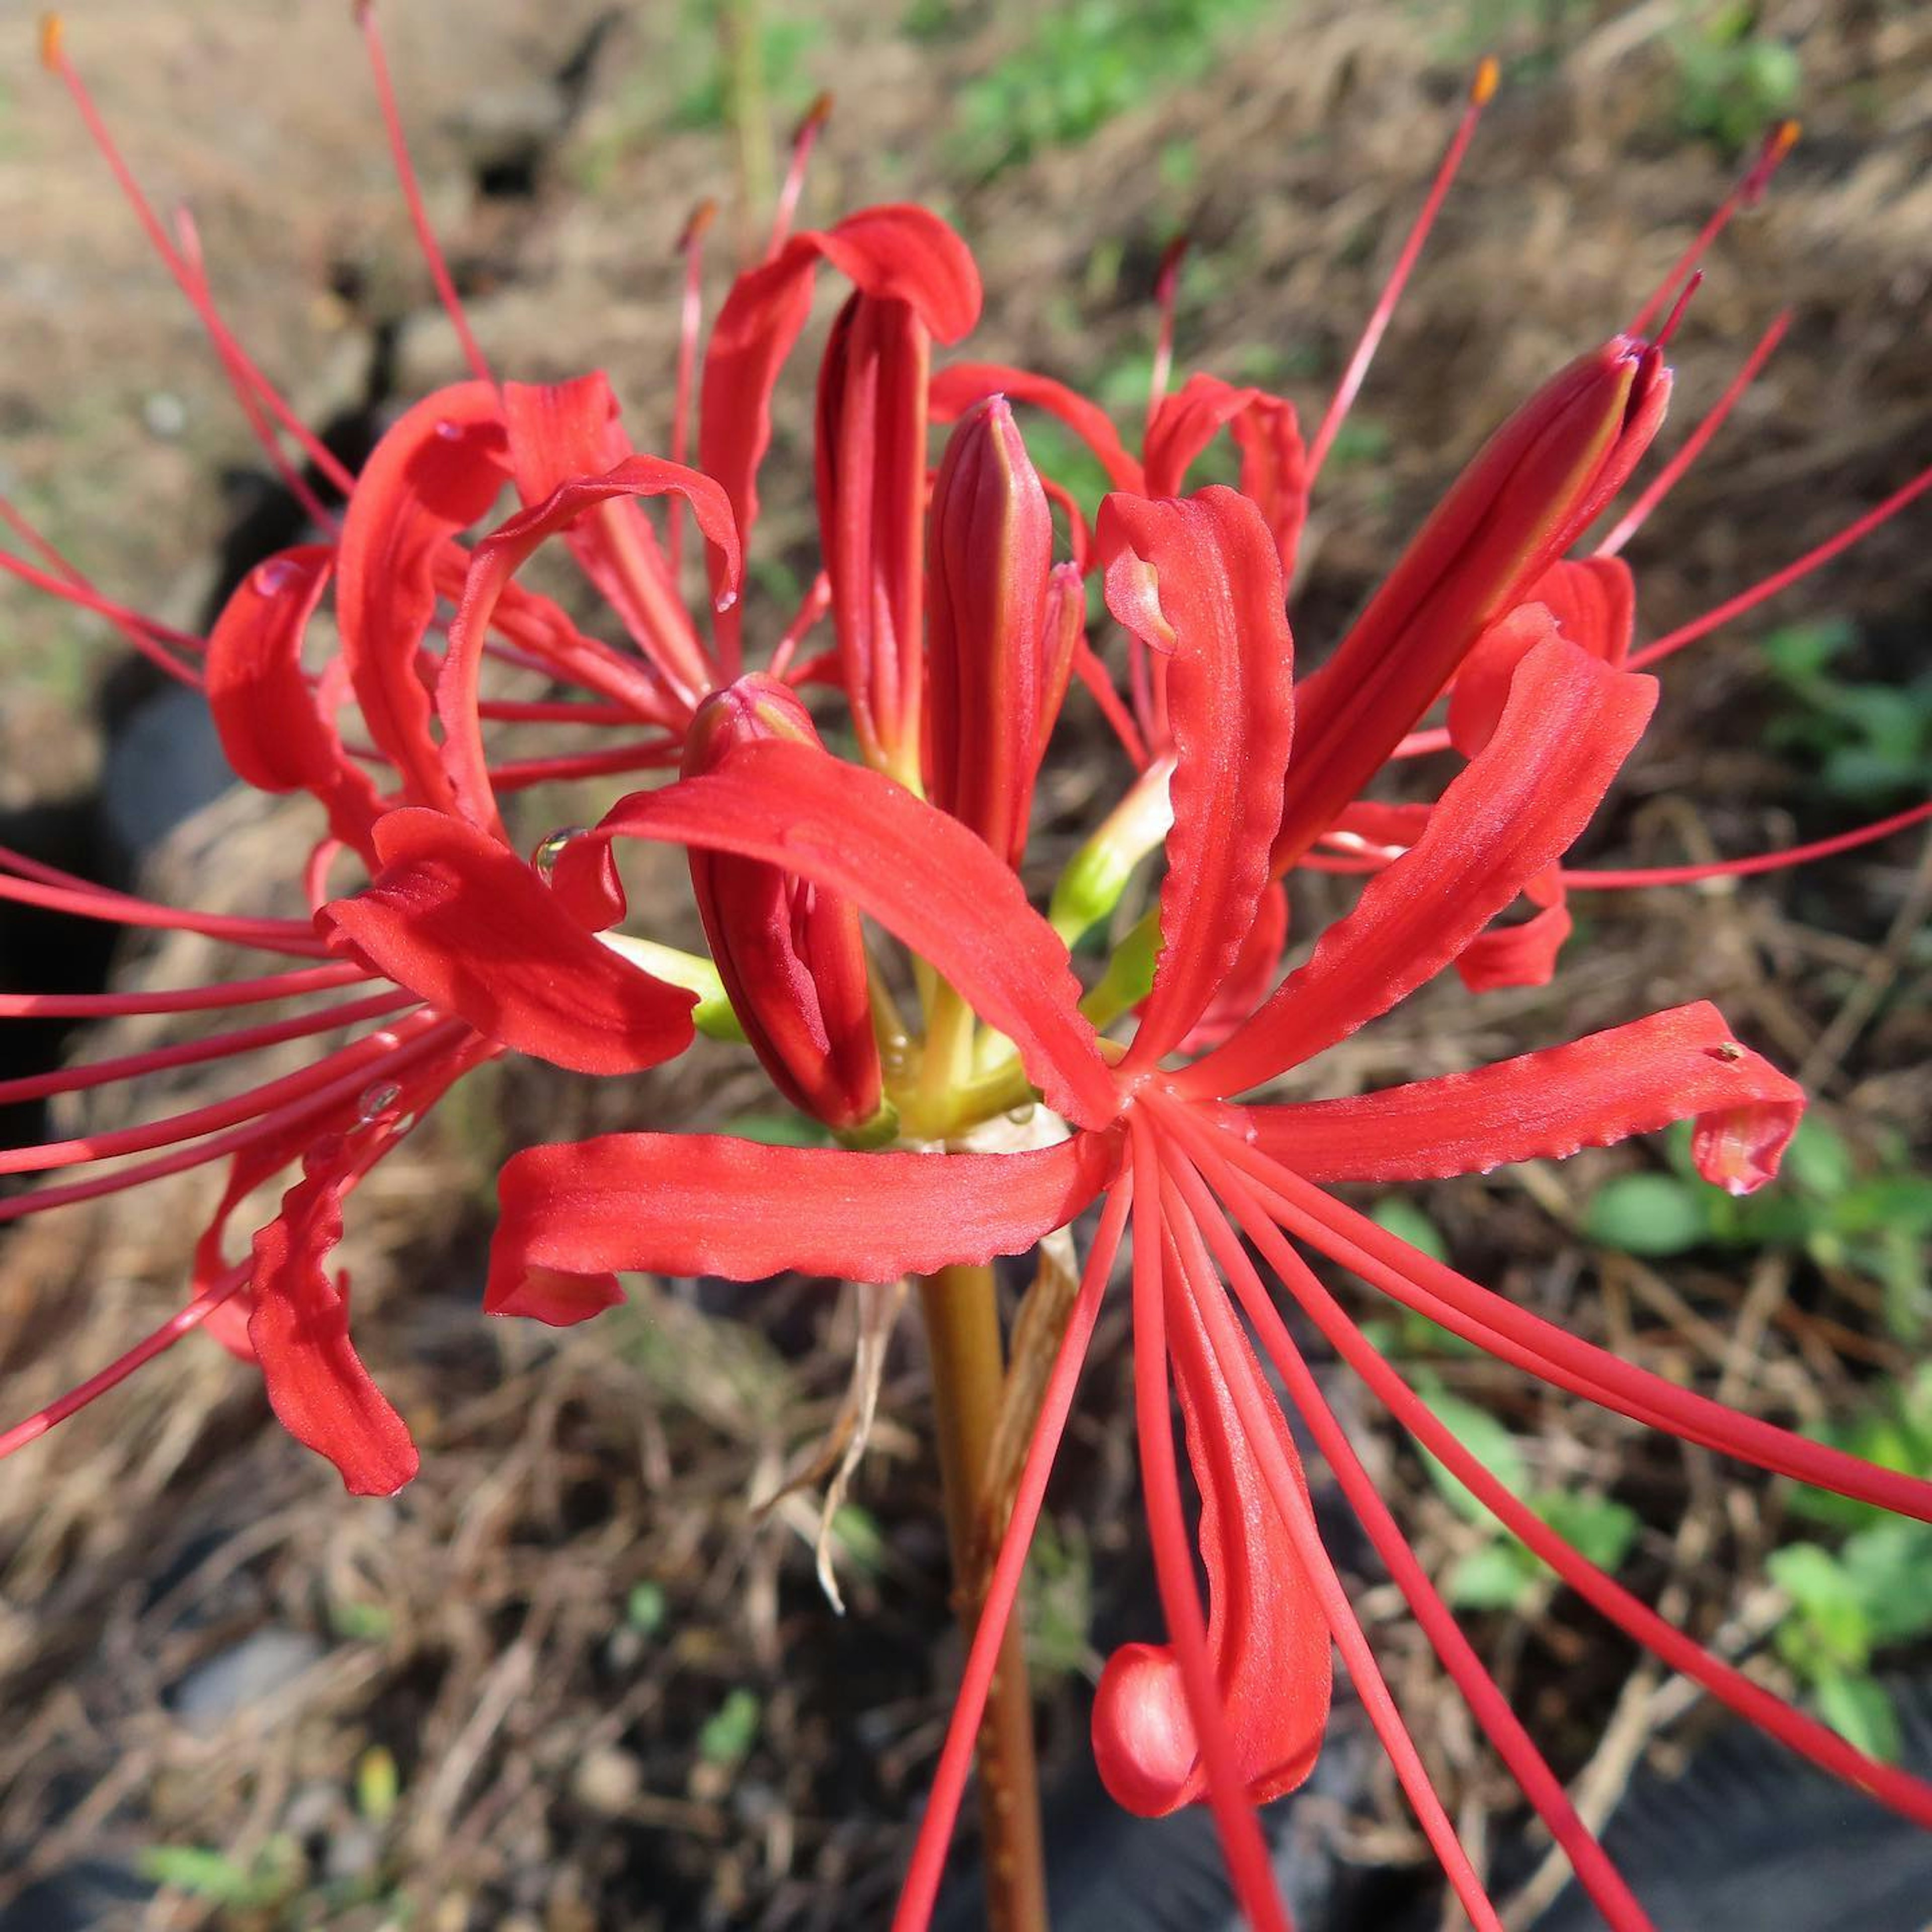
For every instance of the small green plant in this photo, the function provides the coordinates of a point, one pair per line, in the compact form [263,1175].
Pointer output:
[1873,1589]
[1082,64]
[1867,743]
[1501,1572]
[1872,1218]
[1733,82]
[268,1881]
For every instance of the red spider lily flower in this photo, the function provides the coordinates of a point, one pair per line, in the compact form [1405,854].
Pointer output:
[1172,1150]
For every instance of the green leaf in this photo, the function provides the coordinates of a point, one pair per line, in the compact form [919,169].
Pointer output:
[1889,1568]
[730,1730]
[646,1607]
[1599,1529]
[1819,1160]
[789,1130]
[1648,1214]
[1832,1628]
[1486,1438]
[1498,1576]
[1861,1711]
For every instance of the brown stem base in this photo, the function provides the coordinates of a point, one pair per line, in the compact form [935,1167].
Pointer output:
[962,1326]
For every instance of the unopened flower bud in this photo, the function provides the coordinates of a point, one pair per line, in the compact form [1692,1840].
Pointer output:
[999,647]
[792,956]
[871,462]
[1532,489]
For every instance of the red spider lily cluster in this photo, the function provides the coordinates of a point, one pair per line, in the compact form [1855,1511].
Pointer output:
[957,638]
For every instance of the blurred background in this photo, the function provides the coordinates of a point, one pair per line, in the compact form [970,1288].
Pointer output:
[575,1676]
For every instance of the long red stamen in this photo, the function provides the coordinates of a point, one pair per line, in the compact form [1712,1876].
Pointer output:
[1749,189]
[1741,868]
[89,901]
[54,57]
[323,1106]
[1669,475]
[362,1055]
[1166,293]
[181,1322]
[817,601]
[71,587]
[921,1891]
[1910,1796]
[405,178]
[1242,1844]
[1100,683]
[1598,1876]
[180,1000]
[655,754]
[1500,1327]
[190,1053]
[691,315]
[1769,586]
[1296,1516]
[1482,90]
[187,237]
[804,139]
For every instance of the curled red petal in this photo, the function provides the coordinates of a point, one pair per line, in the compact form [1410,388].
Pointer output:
[560,433]
[704,1204]
[1199,581]
[274,729]
[1510,814]
[432,476]
[1524,954]
[460,920]
[1682,1064]
[894,251]
[317,1386]
[1274,463]
[501,554]
[957,388]
[1250,979]
[1266,1633]
[932,883]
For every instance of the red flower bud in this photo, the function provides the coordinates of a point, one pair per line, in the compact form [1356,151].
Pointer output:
[1531,491]
[871,515]
[792,955]
[999,630]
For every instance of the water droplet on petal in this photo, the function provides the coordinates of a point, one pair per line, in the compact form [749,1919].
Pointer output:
[724,600]
[550,849]
[376,1101]
[1021,1116]
[450,432]
[386,1039]
[272,578]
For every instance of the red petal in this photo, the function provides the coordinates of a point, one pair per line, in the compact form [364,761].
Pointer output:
[434,475]
[702,1204]
[563,431]
[316,1384]
[1636,1079]
[955,390]
[932,883]
[1511,813]
[1482,686]
[496,560]
[1265,1629]
[275,731]
[897,251]
[1252,977]
[461,921]
[1524,954]
[1199,580]
[1274,468]
[1594,601]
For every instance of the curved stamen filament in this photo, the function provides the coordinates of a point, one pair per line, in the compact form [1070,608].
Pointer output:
[690,316]
[1482,89]
[88,901]
[1746,867]
[1756,178]
[69,586]
[1769,586]
[805,138]
[180,1000]
[190,1053]
[1667,478]
[1598,1876]
[921,1890]
[183,1321]
[405,178]
[1199,1282]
